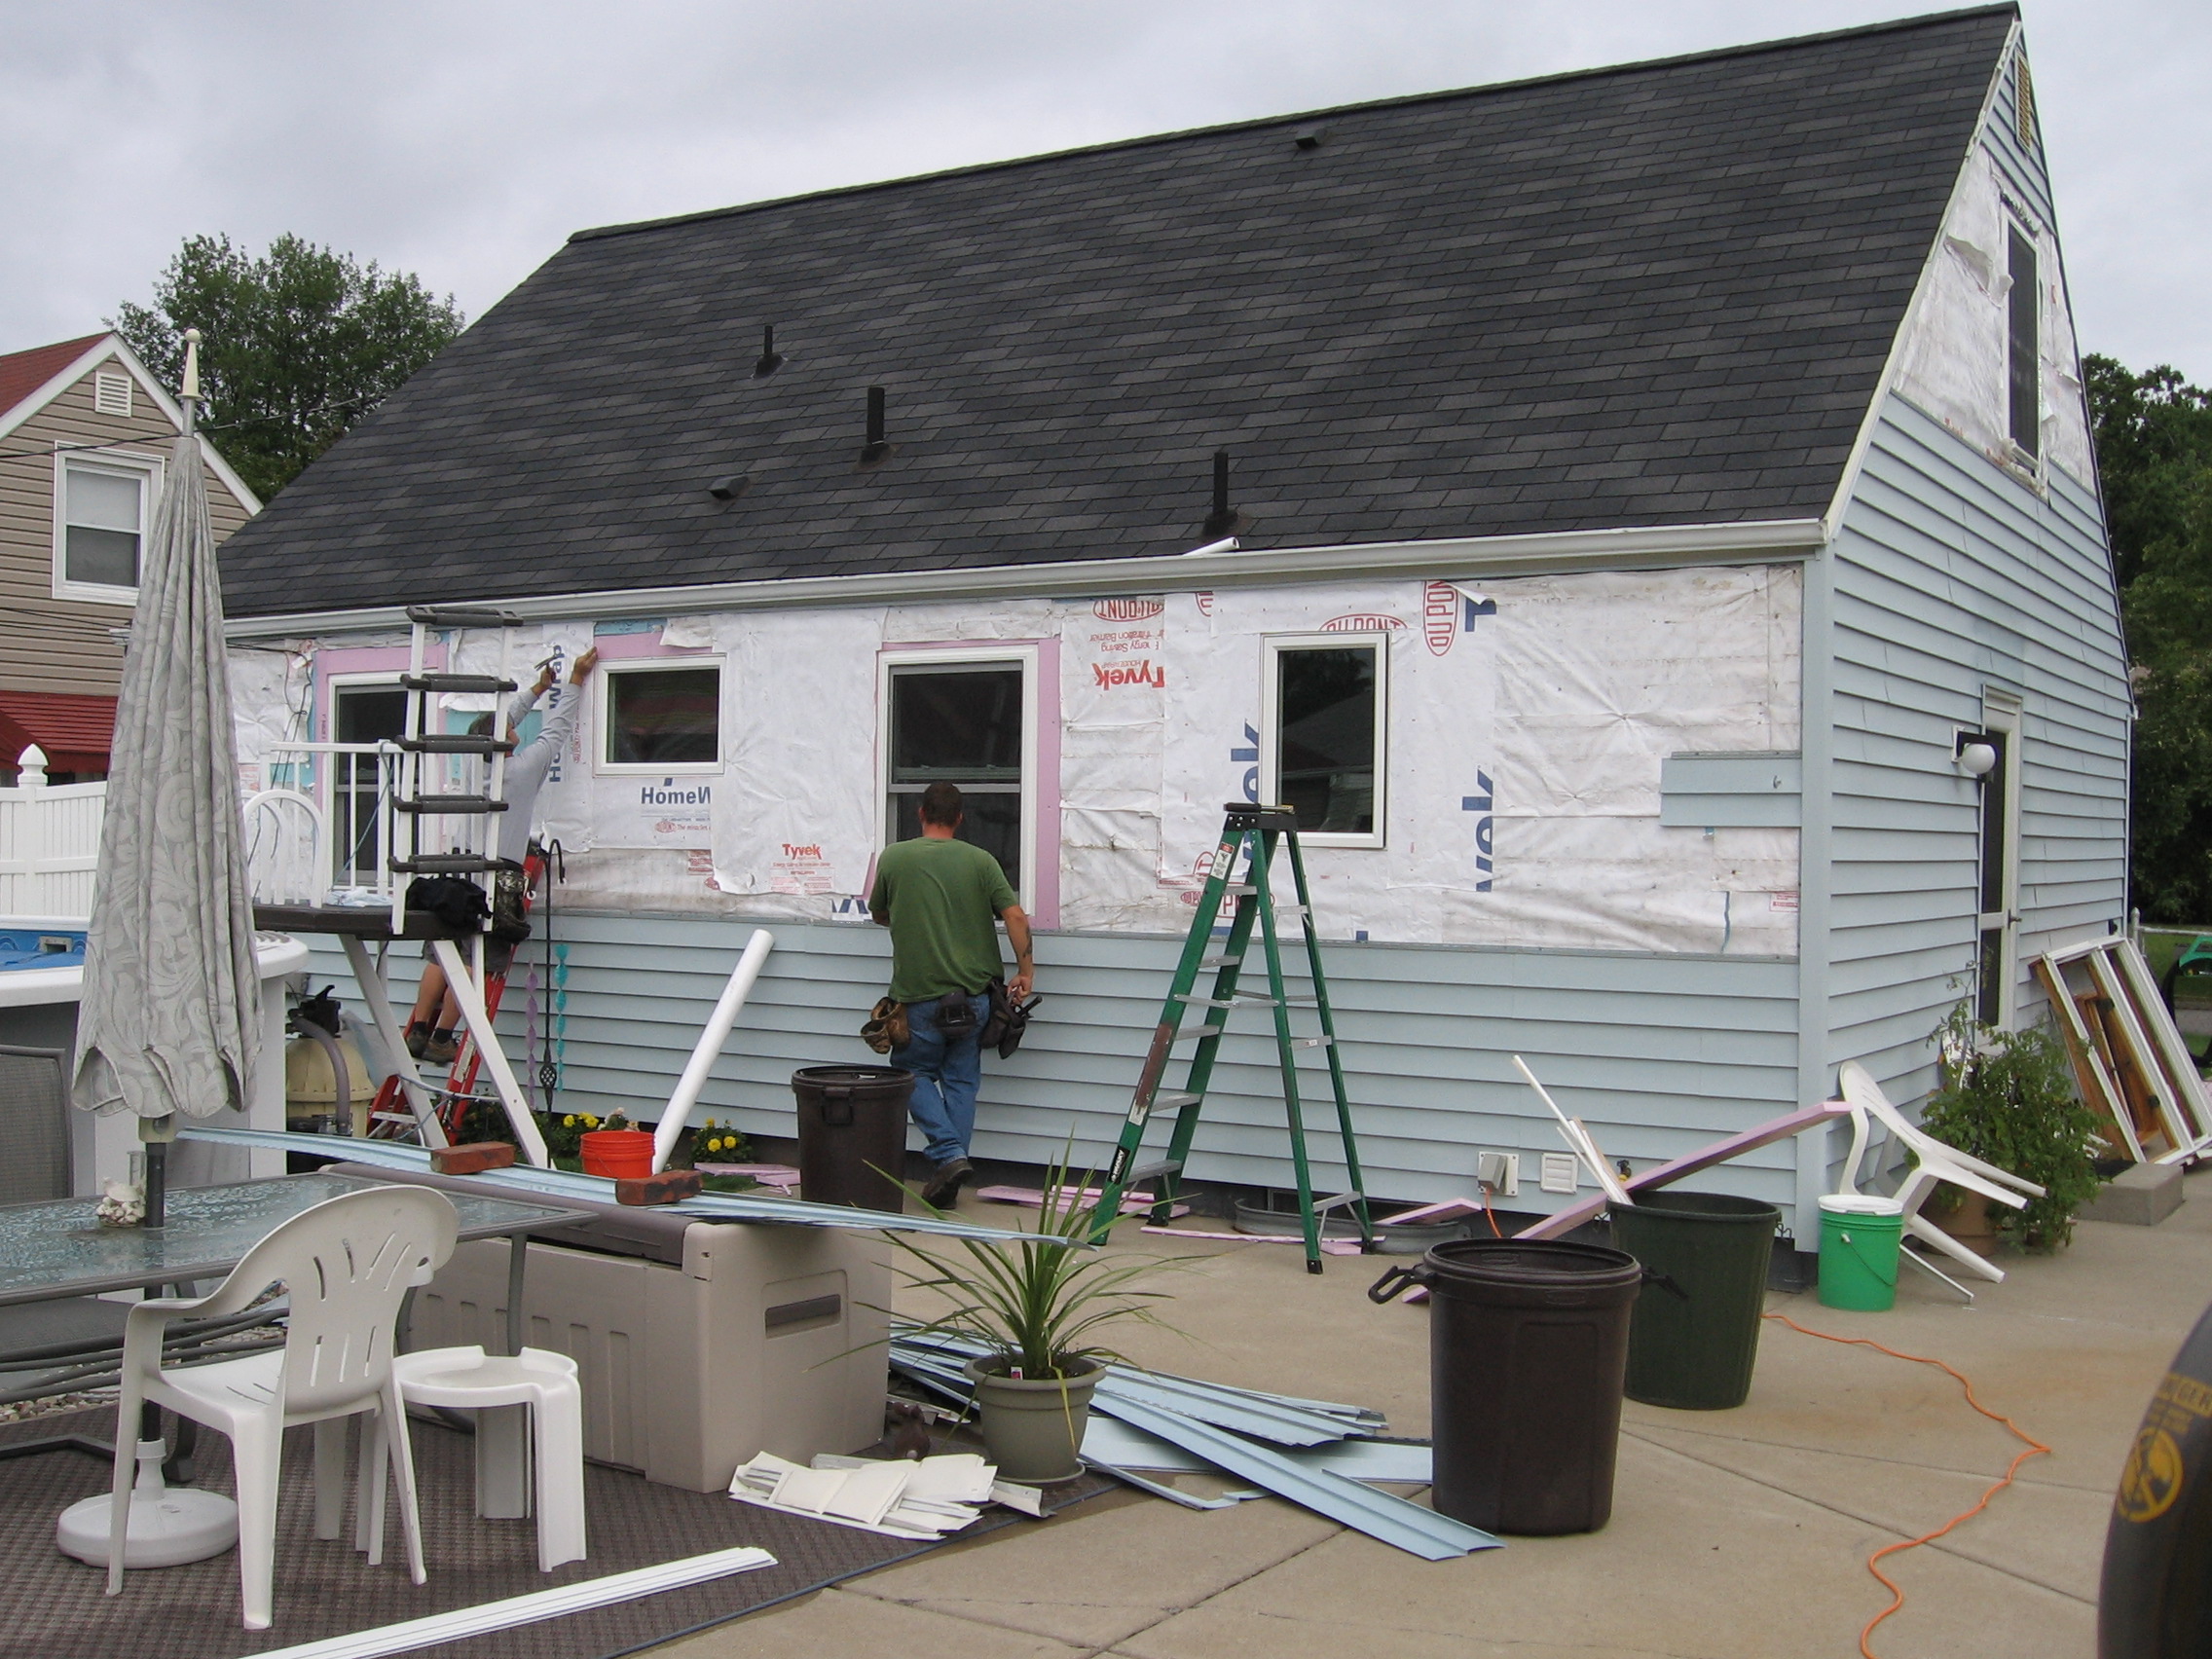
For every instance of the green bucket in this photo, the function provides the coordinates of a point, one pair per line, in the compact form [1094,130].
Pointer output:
[1859,1239]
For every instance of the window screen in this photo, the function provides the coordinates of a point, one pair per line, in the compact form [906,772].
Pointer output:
[360,713]
[102,525]
[2026,394]
[1325,737]
[664,716]
[960,725]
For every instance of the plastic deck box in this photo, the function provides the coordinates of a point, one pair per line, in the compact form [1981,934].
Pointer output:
[700,1345]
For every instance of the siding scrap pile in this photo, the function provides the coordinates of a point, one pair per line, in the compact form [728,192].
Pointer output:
[922,1499]
[1314,1452]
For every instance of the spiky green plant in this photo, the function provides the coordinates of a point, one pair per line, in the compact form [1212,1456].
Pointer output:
[1036,1303]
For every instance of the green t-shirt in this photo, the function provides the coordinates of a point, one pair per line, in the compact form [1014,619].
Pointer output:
[943,899]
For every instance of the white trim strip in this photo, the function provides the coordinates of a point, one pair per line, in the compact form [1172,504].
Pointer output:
[1761,541]
[530,1608]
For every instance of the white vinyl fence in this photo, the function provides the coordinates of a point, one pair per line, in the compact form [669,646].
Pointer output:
[50,843]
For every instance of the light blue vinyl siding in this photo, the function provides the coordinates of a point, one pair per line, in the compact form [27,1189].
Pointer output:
[1952,576]
[1658,1055]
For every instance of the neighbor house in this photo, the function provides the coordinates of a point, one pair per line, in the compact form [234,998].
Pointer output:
[85,432]
[1606,507]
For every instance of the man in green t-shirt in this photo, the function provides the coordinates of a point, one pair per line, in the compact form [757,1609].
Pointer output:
[941,897]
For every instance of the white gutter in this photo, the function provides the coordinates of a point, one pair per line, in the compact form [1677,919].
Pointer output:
[1764,541]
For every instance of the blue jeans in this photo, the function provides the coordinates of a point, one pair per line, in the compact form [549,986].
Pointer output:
[946,1076]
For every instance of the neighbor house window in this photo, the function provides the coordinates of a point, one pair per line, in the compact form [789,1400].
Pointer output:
[1321,740]
[103,508]
[967,724]
[2023,382]
[661,716]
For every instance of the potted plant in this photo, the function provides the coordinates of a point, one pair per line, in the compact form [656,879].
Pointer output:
[1035,1308]
[2008,1098]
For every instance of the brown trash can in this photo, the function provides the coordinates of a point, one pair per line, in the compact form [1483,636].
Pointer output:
[852,1134]
[1528,1348]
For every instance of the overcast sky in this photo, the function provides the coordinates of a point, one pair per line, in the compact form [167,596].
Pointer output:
[463,139]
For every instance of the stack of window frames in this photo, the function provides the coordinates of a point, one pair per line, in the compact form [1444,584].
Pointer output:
[2129,1060]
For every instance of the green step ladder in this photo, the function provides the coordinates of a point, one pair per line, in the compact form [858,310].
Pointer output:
[1253,837]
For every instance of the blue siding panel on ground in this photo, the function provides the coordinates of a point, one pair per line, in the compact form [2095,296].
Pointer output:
[1657,1054]
[1953,577]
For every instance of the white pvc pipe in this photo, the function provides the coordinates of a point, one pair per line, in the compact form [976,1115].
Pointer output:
[703,1058]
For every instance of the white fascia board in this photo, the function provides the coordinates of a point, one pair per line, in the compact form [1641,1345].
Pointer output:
[1765,541]
[113,345]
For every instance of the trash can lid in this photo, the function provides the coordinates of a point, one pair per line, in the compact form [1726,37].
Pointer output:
[1859,1203]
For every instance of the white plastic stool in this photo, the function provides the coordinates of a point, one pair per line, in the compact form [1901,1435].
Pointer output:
[470,1380]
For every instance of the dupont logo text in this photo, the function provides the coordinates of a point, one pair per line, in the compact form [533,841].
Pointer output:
[1128,609]
[1439,617]
[1359,622]
[1117,673]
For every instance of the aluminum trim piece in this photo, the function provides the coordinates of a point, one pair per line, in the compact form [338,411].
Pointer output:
[560,1183]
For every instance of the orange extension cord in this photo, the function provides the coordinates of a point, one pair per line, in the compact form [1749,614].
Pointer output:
[2034,1447]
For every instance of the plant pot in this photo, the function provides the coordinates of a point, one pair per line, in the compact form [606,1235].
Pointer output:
[1033,1426]
[1967,1218]
[618,1153]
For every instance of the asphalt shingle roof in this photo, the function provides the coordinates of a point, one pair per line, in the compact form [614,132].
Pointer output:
[1654,295]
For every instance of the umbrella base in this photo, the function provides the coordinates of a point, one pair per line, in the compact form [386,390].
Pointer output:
[169,1525]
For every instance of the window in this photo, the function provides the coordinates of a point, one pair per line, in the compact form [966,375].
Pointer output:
[965,723]
[103,508]
[1321,748]
[111,395]
[1997,873]
[2023,380]
[367,712]
[661,716]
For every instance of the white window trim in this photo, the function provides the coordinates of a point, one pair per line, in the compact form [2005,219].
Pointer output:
[326,765]
[149,468]
[603,686]
[1270,720]
[959,656]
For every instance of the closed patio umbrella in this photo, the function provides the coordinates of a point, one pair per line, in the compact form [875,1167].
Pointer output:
[171,1001]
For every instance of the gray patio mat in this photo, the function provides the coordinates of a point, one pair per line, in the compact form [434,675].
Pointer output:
[57,1610]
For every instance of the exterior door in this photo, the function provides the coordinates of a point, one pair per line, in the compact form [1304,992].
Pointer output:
[359,713]
[1997,919]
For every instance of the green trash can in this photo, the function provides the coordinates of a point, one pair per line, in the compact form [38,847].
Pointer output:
[1693,1348]
[1860,1239]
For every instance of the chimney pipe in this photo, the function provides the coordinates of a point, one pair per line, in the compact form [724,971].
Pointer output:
[1223,518]
[875,448]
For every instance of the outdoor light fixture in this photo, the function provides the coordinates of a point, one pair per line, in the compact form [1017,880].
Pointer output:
[1976,756]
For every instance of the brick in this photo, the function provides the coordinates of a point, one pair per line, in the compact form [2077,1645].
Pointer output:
[665,1187]
[471,1159]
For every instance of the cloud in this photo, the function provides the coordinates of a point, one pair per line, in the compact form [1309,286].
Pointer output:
[465,140]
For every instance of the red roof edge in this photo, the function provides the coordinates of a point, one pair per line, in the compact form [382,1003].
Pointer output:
[75,730]
[23,373]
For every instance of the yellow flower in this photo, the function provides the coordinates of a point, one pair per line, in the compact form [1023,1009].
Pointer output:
[590,1121]
[569,1121]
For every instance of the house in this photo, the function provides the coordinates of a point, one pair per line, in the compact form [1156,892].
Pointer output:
[84,432]
[1610,507]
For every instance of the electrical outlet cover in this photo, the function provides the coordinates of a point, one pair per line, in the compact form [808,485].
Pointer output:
[1561,1174]
[1500,1172]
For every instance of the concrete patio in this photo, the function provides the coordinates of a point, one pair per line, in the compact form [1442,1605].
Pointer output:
[1735,1536]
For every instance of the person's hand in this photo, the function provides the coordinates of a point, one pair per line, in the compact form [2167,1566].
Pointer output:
[1017,987]
[545,682]
[584,665]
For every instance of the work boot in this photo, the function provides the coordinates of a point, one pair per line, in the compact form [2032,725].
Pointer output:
[417,1036]
[443,1045]
[942,1188]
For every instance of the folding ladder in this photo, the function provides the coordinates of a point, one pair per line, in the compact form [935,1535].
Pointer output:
[449,830]
[1253,836]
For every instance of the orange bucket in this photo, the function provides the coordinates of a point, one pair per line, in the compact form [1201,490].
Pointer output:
[624,1153]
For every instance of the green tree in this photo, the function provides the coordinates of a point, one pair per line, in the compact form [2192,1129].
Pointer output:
[296,345]
[2154,437]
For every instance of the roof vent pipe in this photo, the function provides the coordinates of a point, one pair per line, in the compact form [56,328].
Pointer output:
[876,449]
[768,362]
[1224,517]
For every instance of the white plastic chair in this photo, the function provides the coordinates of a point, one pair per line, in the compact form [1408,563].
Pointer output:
[346,1264]
[283,847]
[469,1378]
[1932,1162]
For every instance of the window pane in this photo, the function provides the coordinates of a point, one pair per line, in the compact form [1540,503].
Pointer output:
[2026,392]
[109,557]
[962,726]
[104,500]
[1325,749]
[992,822]
[365,714]
[1995,854]
[667,716]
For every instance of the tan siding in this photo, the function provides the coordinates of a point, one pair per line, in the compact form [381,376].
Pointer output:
[63,645]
